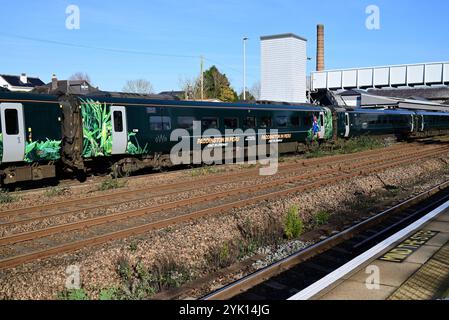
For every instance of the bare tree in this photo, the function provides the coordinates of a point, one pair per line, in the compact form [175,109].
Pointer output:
[141,86]
[81,76]
[191,88]
[255,90]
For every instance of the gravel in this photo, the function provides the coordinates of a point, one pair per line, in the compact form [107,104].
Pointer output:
[189,243]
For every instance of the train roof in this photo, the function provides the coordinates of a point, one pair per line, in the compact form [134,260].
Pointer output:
[383,111]
[27,96]
[206,104]
[430,113]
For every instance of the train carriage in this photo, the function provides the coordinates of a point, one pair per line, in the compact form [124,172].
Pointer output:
[359,122]
[40,133]
[30,133]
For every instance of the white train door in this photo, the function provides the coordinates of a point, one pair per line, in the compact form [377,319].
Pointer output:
[119,130]
[347,125]
[13,132]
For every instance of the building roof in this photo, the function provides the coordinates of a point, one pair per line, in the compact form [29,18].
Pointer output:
[429,93]
[15,81]
[282,36]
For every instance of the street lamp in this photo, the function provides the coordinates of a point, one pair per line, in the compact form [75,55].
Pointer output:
[244,68]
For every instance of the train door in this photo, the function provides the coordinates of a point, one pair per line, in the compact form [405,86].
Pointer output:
[13,132]
[422,123]
[347,125]
[119,130]
[322,127]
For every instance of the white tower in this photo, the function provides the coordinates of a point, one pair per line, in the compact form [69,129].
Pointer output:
[283,69]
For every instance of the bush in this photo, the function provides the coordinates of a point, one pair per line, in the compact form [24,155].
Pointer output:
[294,225]
[6,197]
[321,218]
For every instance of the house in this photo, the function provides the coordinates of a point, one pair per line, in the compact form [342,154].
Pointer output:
[19,83]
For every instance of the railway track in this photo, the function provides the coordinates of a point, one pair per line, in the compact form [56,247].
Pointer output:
[326,176]
[308,181]
[123,196]
[285,278]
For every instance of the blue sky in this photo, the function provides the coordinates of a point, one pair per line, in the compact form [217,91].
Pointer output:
[181,31]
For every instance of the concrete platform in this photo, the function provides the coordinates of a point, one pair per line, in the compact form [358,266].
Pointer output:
[422,274]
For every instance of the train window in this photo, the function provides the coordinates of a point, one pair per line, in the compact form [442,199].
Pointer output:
[281,121]
[118,121]
[185,122]
[250,122]
[307,121]
[11,121]
[231,123]
[266,122]
[209,123]
[295,121]
[158,123]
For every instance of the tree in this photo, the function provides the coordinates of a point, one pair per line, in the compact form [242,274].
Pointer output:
[255,90]
[140,86]
[80,76]
[217,86]
[249,96]
[191,88]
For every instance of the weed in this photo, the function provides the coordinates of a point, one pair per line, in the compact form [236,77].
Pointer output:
[357,144]
[111,183]
[294,225]
[248,166]
[220,257]
[133,246]
[140,282]
[109,294]
[166,274]
[203,171]
[321,218]
[75,294]
[56,191]
[124,269]
[6,197]
[255,236]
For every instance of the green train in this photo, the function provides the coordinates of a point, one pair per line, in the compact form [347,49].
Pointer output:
[43,135]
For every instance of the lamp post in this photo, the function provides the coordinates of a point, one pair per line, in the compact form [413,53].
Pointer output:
[244,68]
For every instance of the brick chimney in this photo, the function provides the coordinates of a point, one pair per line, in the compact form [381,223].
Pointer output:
[320,48]
[24,78]
[54,82]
